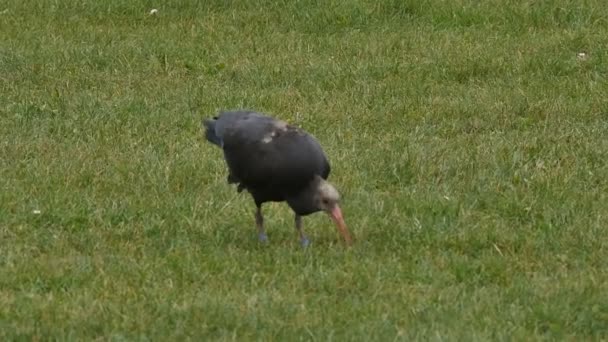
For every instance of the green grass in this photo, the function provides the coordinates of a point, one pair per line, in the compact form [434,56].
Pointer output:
[467,138]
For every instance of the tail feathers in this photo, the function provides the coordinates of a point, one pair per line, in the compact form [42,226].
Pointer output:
[210,134]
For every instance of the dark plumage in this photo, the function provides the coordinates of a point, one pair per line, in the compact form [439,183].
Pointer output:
[276,162]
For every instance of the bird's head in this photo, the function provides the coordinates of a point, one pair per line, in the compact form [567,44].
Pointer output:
[326,195]
[327,198]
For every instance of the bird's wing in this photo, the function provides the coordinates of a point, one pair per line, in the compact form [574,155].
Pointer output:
[260,150]
[228,121]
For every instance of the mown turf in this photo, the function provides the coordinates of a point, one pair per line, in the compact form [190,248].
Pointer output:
[468,139]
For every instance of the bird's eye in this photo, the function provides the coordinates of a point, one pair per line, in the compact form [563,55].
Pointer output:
[325,201]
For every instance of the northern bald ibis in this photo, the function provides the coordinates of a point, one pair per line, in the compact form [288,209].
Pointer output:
[276,162]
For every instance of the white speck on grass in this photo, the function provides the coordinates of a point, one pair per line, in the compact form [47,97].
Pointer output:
[36,211]
[498,249]
[581,55]
[153,11]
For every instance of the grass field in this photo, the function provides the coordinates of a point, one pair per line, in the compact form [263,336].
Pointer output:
[468,139]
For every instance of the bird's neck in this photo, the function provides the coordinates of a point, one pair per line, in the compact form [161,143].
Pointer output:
[303,202]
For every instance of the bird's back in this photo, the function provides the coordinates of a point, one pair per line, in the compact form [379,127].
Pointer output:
[266,154]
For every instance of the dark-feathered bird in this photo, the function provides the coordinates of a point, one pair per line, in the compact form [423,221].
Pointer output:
[276,162]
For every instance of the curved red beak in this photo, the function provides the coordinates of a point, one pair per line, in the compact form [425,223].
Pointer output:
[336,216]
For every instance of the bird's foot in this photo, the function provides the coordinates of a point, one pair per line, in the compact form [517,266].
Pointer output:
[263,237]
[304,242]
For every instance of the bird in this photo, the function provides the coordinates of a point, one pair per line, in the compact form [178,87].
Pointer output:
[276,162]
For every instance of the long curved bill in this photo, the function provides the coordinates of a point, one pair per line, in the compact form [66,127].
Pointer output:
[336,216]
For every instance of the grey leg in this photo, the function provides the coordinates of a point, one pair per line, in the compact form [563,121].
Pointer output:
[303,239]
[259,223]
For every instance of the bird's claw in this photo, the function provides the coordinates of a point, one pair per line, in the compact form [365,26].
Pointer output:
[304,242]
[263,237]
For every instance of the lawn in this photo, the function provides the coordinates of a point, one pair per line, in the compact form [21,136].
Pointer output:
[468,139]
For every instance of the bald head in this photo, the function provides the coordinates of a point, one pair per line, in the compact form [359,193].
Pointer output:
[327,194]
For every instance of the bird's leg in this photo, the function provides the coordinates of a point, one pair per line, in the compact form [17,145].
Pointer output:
[303,239]
[259,223]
